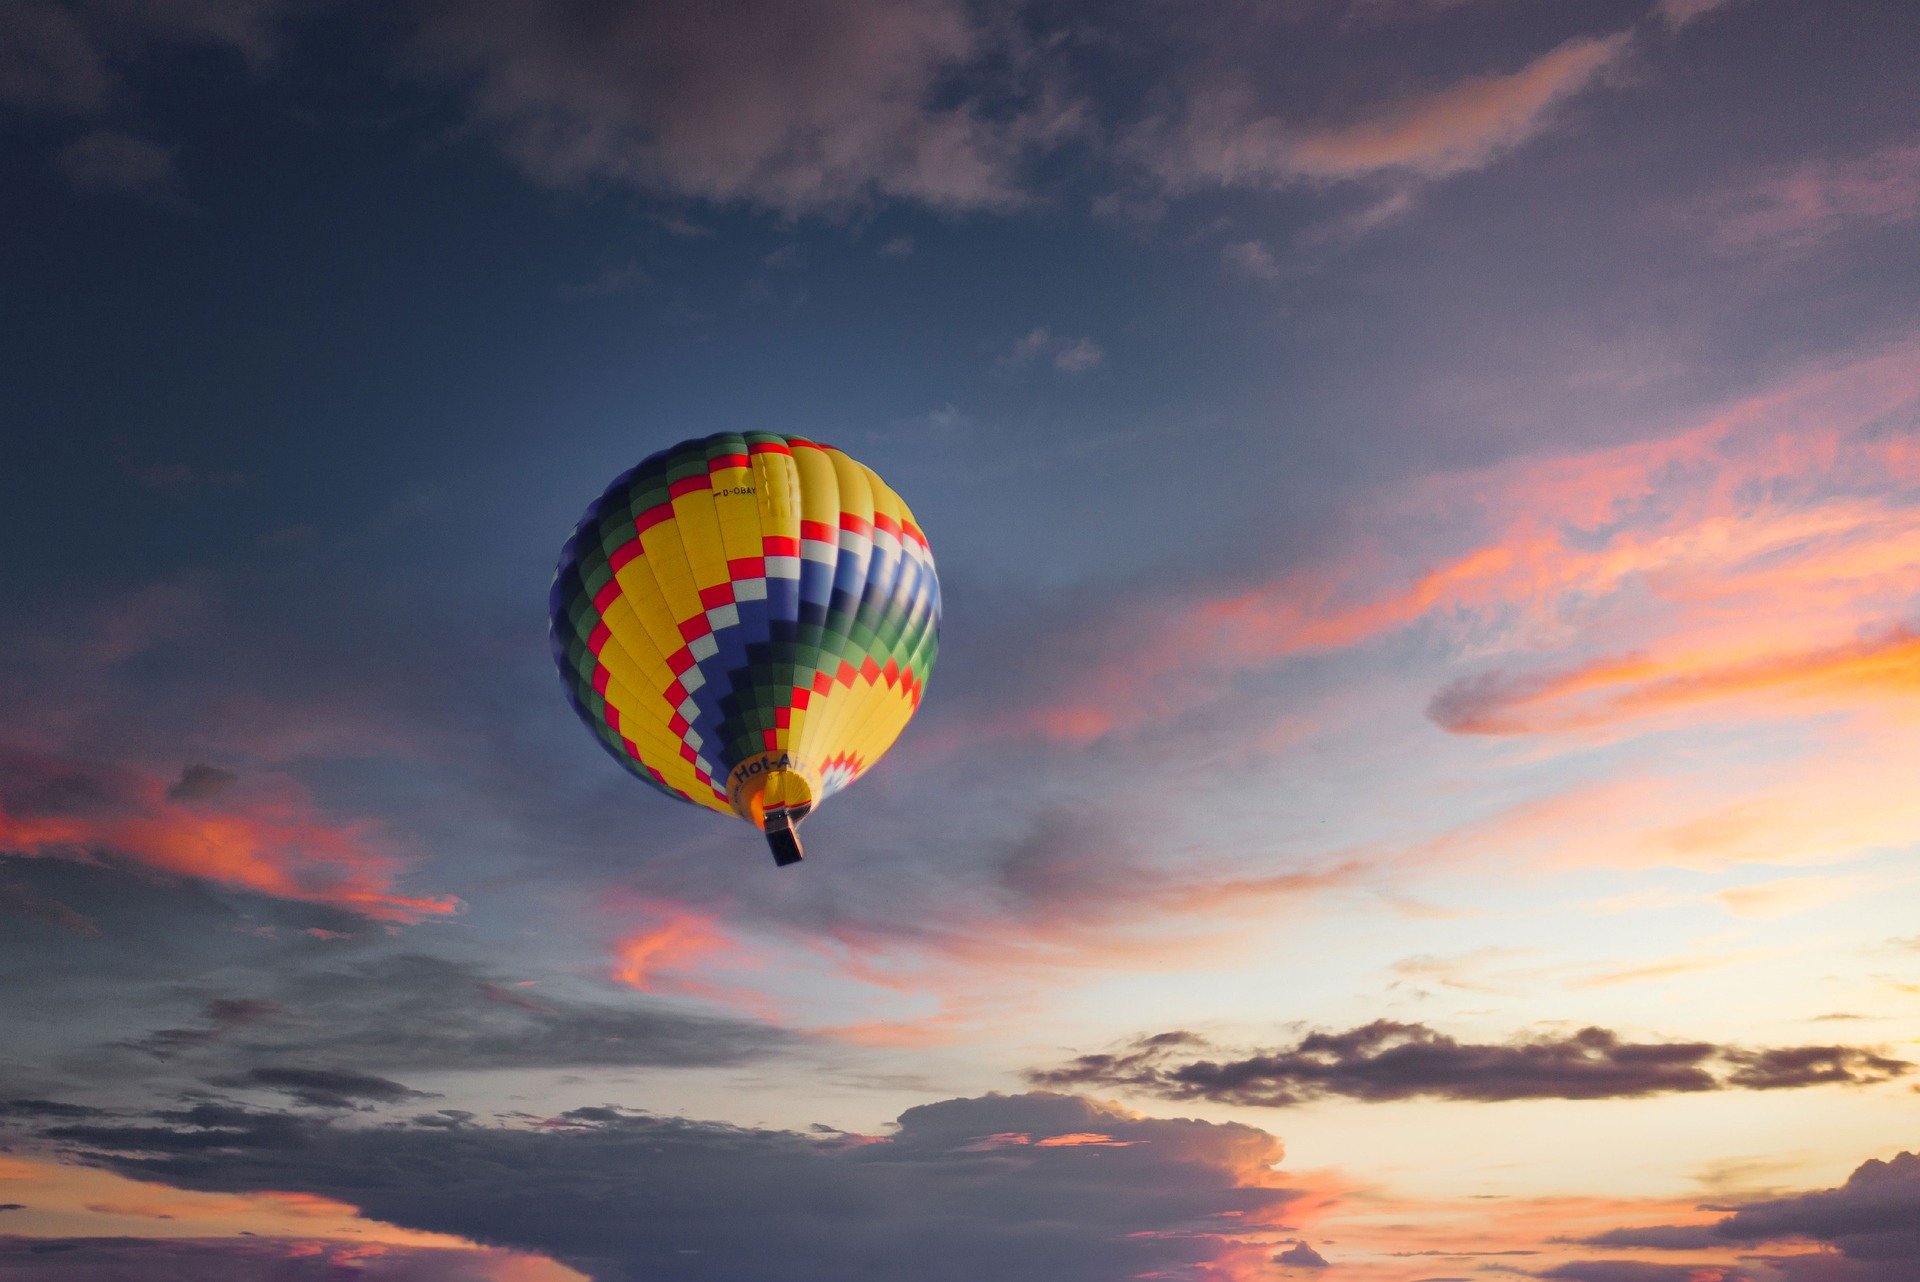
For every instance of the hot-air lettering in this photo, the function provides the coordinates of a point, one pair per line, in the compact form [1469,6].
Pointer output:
[752,768]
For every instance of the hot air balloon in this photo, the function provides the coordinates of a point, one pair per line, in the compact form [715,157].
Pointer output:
[746,622]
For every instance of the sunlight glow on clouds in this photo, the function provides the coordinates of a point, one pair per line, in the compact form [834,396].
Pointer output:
[270,839]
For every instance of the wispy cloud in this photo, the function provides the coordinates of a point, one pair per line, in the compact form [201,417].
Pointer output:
[1819,201]
[1041,346]
[123,164]
[1222,136]
[1794,506]
[270,839]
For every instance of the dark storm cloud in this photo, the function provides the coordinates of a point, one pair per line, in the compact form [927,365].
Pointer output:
[1006,1187]
[1386,1060]
[234,1259]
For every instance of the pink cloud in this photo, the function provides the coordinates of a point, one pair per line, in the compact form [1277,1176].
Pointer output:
[1221,137]
[268,838]
[1644,566]
[1799,208]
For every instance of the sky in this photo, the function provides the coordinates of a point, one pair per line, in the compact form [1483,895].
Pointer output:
[1418,780]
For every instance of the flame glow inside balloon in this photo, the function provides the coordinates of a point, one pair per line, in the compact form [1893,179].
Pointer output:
[746,622]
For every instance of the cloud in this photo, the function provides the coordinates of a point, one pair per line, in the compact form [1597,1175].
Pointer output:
[625,1196]
[433,1013]
[258,1259]
[1661,1237]
[623,278]
[326,1087]
[1637,1271]
[1253,258]
[72,58]
[1798,209]
[198,782]
[815,107]
[1062,895]
[897,247]
[272,840]
[23,901]
[121,164]
[1220,136]
[1618,584]
[1042,345]
[1301,1256]
[1874,1216]
[1614,689]
[1680,13]
[1871,1225]
[1386,1060]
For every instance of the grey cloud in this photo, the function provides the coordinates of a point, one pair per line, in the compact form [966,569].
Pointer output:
[234,1259]
[118,163]
[73,57]
[1386,1060]
[415,1011]
[46,1110]
[1043,346]
[1634,1271]
[326,1087]
[22,901]
[796,107]
[1872,1222]
[1660,1237]
[1301,1256]
[423,1012]
[138,1010]
[198,782]
[963,1188]
[1874,1216]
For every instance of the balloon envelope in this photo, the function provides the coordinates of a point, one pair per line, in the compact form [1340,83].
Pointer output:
[746,622]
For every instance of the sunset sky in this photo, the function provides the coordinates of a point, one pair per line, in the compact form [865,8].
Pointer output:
[1422,777]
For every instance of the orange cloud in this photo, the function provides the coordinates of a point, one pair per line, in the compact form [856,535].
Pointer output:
[1461,127]
[268,838]
[1865,672]
[681,939]
[1771,549]
[677,948]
